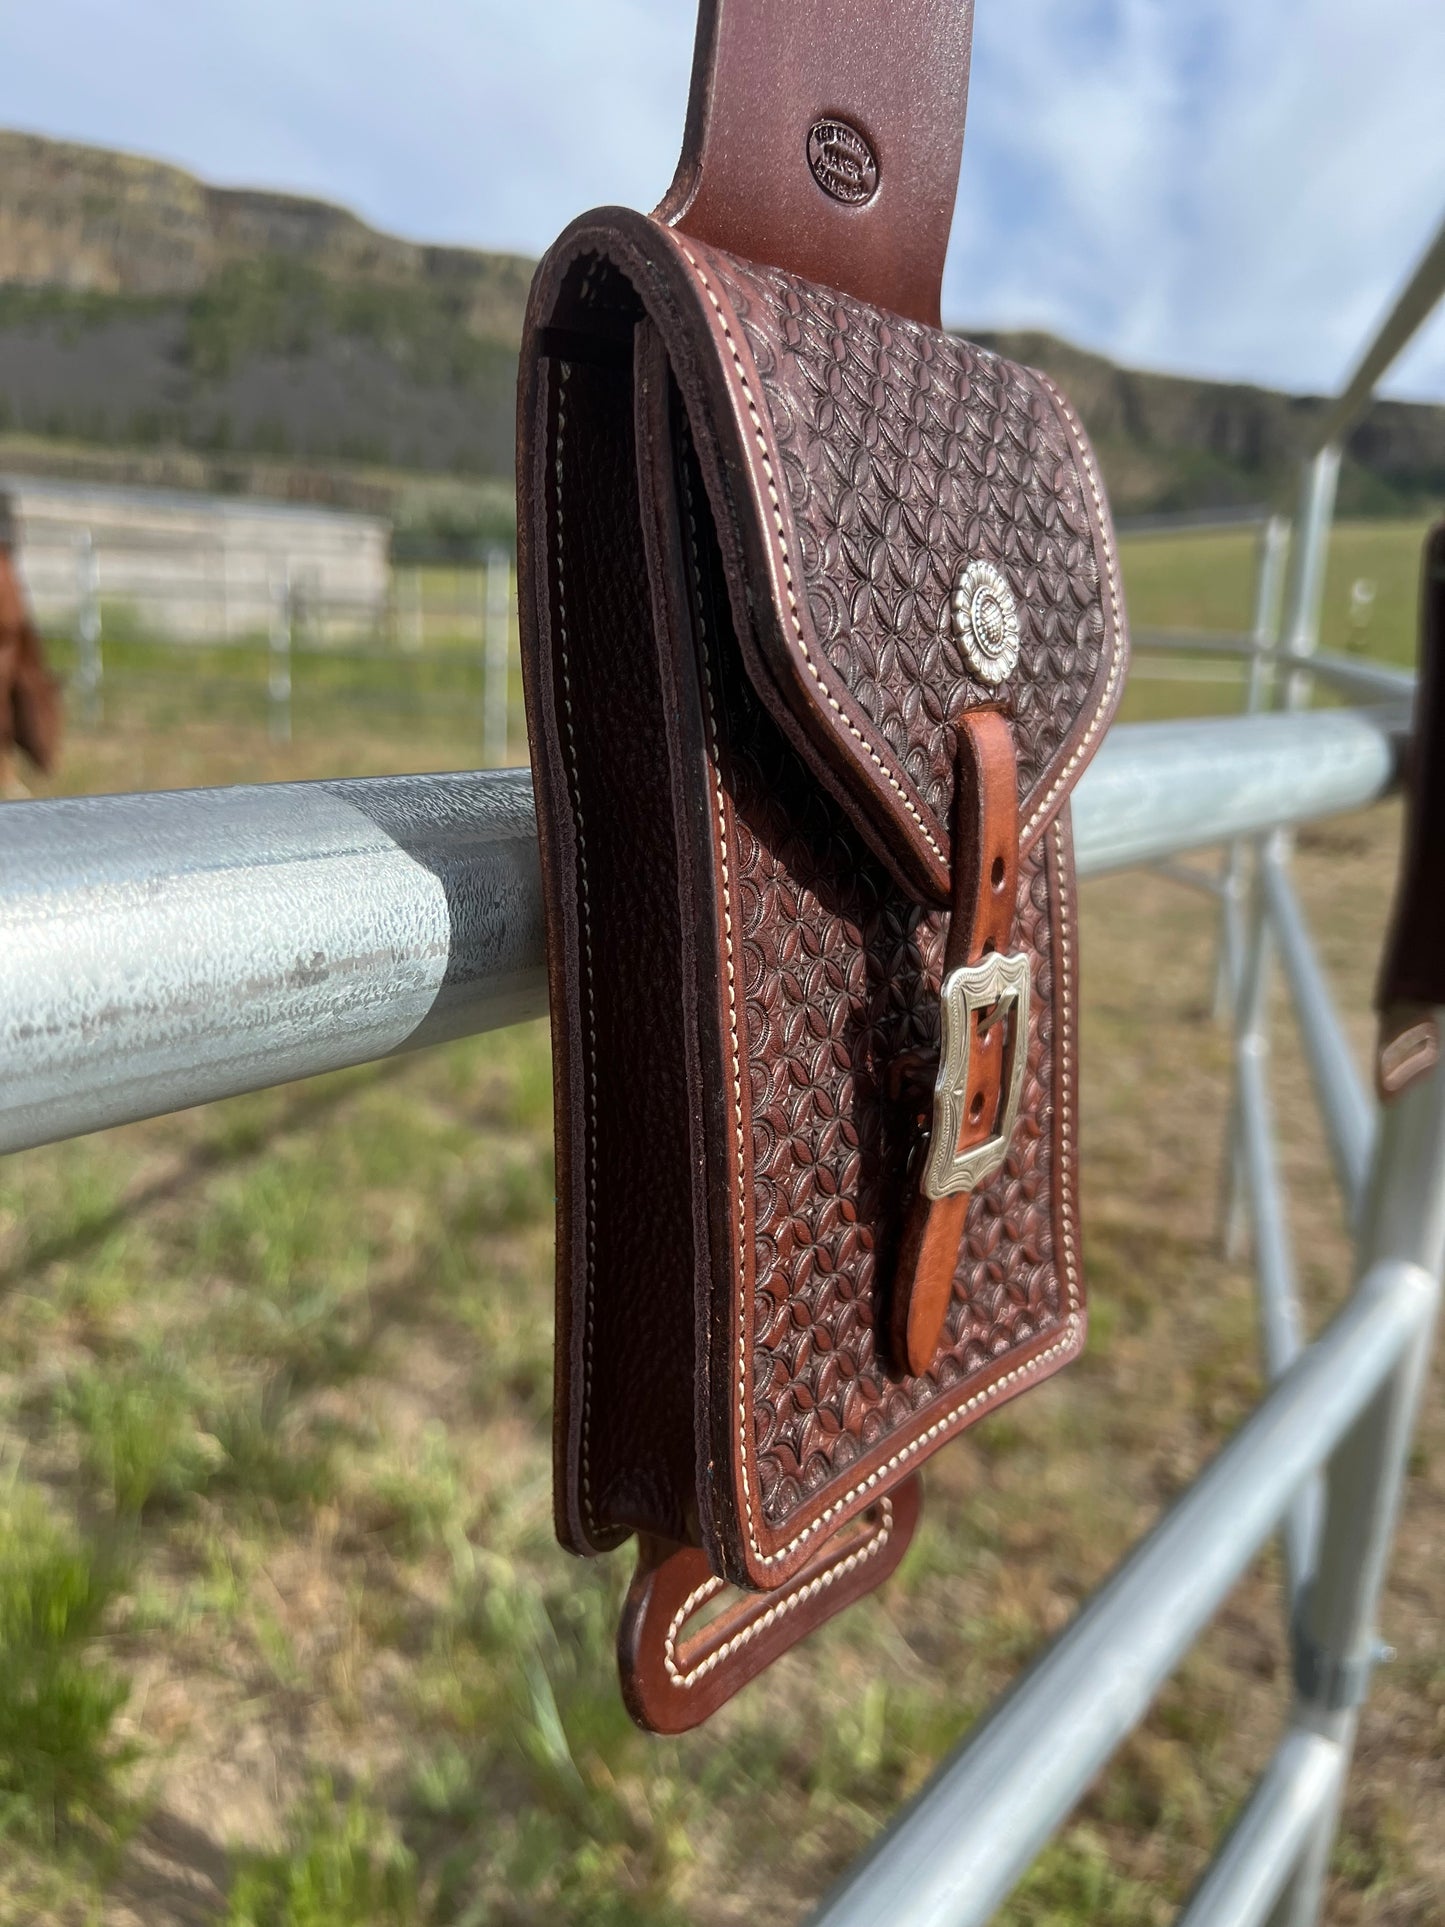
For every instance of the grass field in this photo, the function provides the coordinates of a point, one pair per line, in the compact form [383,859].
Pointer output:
[285,1639]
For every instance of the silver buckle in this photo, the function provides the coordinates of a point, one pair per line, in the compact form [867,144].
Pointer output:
[996,979]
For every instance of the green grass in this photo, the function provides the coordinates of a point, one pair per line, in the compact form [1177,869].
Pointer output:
[60,1757]
[426,687]
[285,1636]
[331,1873]
[1205,580]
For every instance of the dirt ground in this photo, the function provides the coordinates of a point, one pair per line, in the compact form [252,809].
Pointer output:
[275,1402]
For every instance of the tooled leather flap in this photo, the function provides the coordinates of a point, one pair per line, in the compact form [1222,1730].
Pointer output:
[936,539]
[824,136]
[913,526]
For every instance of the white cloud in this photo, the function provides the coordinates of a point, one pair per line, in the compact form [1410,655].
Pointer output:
[1217,185]
[1225,186]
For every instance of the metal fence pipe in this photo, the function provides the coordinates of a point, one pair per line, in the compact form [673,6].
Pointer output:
[1346,1106]
[959,1847]
[91,663]
[1158,789]
[496,627]
[1281,1327]
[278,676]
[1370,682]
[1304,593]
[1337,1638]
[1192,642]
[1259,1189]
[1264,630]
[1191,521]
[1299,634]
[1412,306]
[166,950]
[1250,1870]
[161,951]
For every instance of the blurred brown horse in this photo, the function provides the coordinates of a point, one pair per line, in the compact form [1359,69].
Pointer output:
[30,709]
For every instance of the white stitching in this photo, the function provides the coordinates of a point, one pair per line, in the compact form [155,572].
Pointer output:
[1061,964]
[1071,1324]
[774,1613]
[731,966]
[584,906]
[812,667]
[989,1392]
[1069,1339]
[1080,750]
[1116,661]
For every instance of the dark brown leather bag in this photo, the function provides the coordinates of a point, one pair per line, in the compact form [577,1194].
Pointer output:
[821,621]
[1411,988]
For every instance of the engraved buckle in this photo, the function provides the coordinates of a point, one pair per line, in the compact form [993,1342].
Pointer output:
[995,980]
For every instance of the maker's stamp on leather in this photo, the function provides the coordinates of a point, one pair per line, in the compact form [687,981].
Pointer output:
[986,621]
[843,163]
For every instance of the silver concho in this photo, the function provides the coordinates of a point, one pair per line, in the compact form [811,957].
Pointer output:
[986,621]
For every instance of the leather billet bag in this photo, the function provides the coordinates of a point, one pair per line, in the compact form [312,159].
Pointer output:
[821,622]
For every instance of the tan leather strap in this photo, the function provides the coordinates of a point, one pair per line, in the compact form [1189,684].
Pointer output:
[674,1676]
[985,891]
[824,136]
[1412,977]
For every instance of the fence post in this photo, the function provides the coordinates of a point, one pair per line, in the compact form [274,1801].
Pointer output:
[1299,631]
[90,661]
[1255,1189]
[1268,579]
[1336,1639]
[497,662]
[278,682]
[413,630]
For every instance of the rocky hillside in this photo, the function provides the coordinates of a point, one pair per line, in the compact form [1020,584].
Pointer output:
[91,221]
[139,305]
[1167,443]
[141,308]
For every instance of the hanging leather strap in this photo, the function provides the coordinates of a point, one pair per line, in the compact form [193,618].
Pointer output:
[1412,977]
[985,892]
[824,136]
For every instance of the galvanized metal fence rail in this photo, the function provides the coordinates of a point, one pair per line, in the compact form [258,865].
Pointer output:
[166,950]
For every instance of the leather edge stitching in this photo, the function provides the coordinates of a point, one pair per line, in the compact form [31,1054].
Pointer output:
[589,1517]
[796,619]
[731,968]
[1069,1340]
[1119,655]
[1063,1347]
[820,1583]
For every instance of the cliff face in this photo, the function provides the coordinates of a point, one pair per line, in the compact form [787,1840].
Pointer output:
[89,221]
[140,306]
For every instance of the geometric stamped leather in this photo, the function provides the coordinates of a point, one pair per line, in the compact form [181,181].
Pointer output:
[905,452]
[841,975]
[751,500]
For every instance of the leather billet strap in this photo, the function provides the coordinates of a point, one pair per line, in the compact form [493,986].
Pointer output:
[985,891]
[675,1675]
[1412,977]
[824,137]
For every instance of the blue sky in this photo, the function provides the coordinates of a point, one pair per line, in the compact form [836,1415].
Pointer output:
[1225,187]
